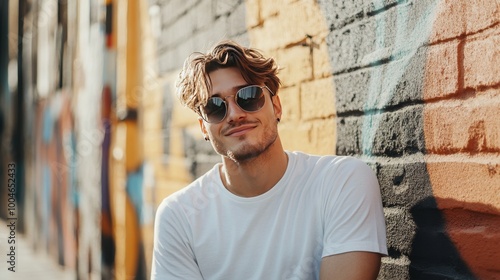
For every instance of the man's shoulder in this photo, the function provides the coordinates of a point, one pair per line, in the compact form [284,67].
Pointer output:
[328,168]
[327,160]
[189,194]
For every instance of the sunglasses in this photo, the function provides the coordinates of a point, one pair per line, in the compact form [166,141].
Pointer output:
[249,99]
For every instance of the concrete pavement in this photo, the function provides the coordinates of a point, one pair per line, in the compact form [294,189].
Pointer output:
[28,263]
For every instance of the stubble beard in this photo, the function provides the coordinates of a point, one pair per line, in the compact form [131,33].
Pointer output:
[248,151]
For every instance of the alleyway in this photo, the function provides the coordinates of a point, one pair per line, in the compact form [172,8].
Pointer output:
[28,264]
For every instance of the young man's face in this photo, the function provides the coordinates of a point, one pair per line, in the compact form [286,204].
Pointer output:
[241,135]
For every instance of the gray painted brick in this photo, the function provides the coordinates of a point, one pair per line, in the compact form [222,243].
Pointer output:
[173,9]
[393,35]
[200,156]
[236,21]
[185,43]
[348,46]
[184,27]
[179,31]
[339,13]
[376,6]
[202,15]
[167,61]
[348,136]
[400,231]
[396,133]
[184,50]
[351,91]
[225,7]
[381,87]
[403,182]
[385,134]
[210,36]
[396,269]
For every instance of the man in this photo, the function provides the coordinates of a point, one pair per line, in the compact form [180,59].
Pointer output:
[263,213]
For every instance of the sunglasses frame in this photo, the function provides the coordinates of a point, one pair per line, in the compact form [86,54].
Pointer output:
[235,96]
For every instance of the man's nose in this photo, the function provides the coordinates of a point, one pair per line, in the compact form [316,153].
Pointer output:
[234,112]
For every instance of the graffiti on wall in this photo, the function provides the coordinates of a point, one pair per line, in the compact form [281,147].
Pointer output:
[405,53]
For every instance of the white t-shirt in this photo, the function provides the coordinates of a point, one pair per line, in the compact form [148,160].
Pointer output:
[323,205]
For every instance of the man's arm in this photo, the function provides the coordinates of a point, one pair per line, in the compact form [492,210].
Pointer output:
[355,234]
[350,266]
[172,255]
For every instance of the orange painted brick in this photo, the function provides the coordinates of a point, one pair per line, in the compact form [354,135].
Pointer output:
[290,103]
[317,137]
[295,135]
[467,182]
[469,127]
[466,191]
[480,14]
[482,62]
[324,136]
[287,23]
[295,64]
[476,235]
[449,20]
[457,17]
[317,99]
[253,15]
[321,61]
[270,8]
[441,71]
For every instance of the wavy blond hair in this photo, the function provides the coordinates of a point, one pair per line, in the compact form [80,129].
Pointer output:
[194,85]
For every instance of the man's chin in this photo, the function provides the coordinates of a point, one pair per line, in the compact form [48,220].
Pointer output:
[245,151]
[243,156]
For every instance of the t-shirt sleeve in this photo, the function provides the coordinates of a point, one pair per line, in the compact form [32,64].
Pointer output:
[173,257]
[353,212]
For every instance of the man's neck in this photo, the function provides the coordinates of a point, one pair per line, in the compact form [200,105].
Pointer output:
[257,175]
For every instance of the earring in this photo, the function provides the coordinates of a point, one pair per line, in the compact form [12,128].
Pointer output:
[278,119]
[206,138]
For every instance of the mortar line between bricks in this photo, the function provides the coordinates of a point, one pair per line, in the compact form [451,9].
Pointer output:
[413,158]
[464,38]
[480,158]
[419,157]
[460,66]
[467,37]
[388,109]
[479,94]
[377,63]
[465,94]
[365,16]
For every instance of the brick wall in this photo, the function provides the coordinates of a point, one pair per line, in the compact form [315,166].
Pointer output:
[411,87]
[417,87]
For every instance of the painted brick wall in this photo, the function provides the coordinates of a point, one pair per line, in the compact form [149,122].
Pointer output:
[411,87]
[417,89]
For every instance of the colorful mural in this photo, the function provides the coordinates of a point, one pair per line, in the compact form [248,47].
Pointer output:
[70,207]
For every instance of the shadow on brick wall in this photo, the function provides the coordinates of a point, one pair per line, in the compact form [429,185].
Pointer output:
[433,252]
[455,241]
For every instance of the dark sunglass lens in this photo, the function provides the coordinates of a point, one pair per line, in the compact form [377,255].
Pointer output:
[251,98]
[215,110]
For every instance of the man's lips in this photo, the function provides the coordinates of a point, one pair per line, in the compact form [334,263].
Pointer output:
[239,130]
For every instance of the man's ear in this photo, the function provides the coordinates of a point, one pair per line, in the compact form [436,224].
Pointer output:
[202,127]
[277,106]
